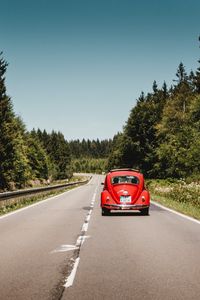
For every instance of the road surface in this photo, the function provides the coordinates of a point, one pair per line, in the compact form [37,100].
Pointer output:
[62,248]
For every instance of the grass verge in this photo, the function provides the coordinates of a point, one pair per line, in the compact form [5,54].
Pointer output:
[177,195]
[184,208]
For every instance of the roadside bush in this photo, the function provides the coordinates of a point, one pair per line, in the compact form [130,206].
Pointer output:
[177,190]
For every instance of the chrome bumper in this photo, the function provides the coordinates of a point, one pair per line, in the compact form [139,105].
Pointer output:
[125,206]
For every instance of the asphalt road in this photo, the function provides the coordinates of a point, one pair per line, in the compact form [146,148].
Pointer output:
[63,248]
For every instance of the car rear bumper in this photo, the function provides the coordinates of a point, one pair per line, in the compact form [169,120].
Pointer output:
[125,206]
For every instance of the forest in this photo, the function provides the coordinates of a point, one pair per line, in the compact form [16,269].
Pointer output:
[28,157]
[161,138]
[162,134]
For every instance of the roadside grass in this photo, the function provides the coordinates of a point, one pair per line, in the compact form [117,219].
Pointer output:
[20,202]
[177,195]
[184,208]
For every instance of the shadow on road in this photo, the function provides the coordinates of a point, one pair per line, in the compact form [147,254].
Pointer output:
[157,208]
[125,214]
[86,208]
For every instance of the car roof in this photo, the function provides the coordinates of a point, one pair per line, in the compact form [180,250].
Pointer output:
[127,171]
[123,169]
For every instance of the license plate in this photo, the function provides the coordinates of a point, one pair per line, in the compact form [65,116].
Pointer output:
[125,199]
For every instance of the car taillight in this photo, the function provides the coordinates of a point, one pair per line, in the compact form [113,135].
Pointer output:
[143,198]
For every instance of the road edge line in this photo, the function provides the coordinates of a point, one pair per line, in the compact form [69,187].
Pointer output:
[37,203]
[176,212]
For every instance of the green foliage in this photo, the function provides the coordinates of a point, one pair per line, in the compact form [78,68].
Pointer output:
[136,146]
[162,134]
[90,156]
[161,138]
[27,156]
[178,150]
[92,149]
[58,151]
[14,169]
[38,159]
[196,78]
[89,165]
[177,190]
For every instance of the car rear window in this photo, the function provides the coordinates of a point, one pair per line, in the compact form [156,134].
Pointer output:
[125,179]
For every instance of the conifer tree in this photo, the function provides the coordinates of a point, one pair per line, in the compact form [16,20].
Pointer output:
[164,89]
[197,77]
[37,157]
[14,169]
[155,87]
[181,73]
[59,152]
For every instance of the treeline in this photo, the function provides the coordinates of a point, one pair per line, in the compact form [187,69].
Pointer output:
[90,156]
[90,149]
[161,138]
[27,156]
[162,134]
[89,165]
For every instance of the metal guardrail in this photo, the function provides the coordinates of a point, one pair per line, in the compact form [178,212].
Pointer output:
[9,195]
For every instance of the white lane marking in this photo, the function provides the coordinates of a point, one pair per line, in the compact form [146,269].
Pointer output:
[88,218]
[81,239]
[90,180]
[65,248]
[175,212]
[38,203]
[90,212]
[84,227]
[70,278]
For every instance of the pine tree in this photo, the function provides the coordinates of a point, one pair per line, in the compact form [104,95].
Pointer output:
[181,73]
[59,152]
[155,87]
[14,169]
[197,77]
[39,161]
[164,89]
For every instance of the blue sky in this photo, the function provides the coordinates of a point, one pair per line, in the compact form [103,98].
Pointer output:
[78,66]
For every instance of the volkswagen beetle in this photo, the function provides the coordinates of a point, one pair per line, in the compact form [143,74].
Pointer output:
[124,189]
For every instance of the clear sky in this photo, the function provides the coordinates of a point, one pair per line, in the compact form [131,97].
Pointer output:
[78,66]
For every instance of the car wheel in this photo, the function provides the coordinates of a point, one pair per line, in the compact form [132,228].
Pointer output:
[105,212]
[145,211]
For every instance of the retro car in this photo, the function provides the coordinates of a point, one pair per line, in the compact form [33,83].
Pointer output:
[124,189]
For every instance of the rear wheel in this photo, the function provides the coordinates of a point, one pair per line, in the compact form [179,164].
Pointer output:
[105,212]
[145,211]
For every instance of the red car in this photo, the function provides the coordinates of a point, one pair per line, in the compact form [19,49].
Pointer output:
[124,189]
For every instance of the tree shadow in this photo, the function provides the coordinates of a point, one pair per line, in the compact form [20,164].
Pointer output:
[125,214]
[86,208]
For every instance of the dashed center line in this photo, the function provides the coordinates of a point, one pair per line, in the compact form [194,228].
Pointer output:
[80,240]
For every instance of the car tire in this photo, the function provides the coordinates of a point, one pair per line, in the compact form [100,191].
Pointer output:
[105,212]
[145,211]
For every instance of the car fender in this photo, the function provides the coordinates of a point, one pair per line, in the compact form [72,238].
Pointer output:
[105,196]
[144,198]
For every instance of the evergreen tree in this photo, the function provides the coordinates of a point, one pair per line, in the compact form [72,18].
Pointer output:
[59,152]
[176,132]
[197,77]
[181,73]
[14,169]
[155,87]
[164,90]
[136,146]
[38,160]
